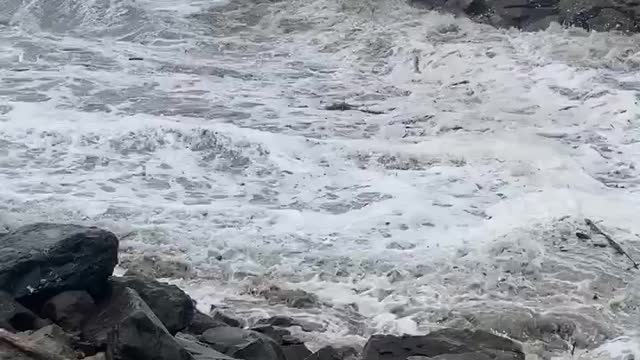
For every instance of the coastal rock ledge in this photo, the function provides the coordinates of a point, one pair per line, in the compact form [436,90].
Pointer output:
[59,300]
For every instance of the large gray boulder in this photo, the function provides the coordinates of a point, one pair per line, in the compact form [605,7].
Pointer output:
[459,344]
[243,344]
[198,350]
[129,330]
[170,304]
[70,309]
[42,260]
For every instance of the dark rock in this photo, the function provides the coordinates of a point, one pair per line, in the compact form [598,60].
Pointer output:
[332,353]
[170,304]
[202,322]
[15,317]
[473,344]
[296,351]
[293,298]
[220,316]
[48,343]
[286,321]
[243,344]
[42,260]
[129,330]
[533,15]
[70,309]
[198,350]
[277,334]
[278,320]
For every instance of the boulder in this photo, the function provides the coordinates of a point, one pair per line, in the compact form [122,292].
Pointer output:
[463,343]
[286,321]
[230,321]
[70,309]
[293,348]
[293,298]
[170,304]
[128,329]
[198,350]
[277,334]
[202,322]
[333,353]
[42,260]
[48,343]
[15,317]
[243,344]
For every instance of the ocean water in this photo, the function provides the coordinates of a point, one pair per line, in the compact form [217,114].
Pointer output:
[449,195]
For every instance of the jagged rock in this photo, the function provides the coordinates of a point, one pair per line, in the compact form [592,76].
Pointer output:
[129,330]
[15,317]
[293,348]
[220,316]
[243,344]
[465,344]
[202,322]
[198,350]
[48,343]
[331,353]
[70,309]
[276,334]
[41,260]
[170,304]
[293,298]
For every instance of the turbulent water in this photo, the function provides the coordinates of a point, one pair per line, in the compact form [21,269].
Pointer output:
[450,194]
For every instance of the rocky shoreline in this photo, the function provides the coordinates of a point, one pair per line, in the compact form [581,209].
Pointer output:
[59,300]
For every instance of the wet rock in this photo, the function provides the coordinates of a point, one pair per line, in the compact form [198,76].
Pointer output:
[230,321]
[170,304]
[41,260]
[277,334]
[129,330]
[464,344]
[286,321]
[198,350]
[293,298]
[202,322]
[98,356]
[534,15]
[395,245]
[70,309]
[15,317]
[243,344]
[48,343]
[334,353]
[296,351]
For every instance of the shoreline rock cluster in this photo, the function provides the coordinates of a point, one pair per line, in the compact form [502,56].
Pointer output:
[59,300]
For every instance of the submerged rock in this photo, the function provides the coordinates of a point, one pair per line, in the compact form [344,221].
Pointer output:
[129,330]
[293,298]
[243,344]
[534,15]
[70,309]
[170,304]
[462,344]
[15,317]
[42,260]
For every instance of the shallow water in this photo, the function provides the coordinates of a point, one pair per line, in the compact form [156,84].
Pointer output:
[450,194]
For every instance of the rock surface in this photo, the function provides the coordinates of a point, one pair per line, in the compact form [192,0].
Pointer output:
[243,344]
[15,317]
[464,344]
[598,15]
[293,298]
[202,322]
[170,304]
[131,331]
[333,353]
[45,259]
[198,350]
[70,309]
